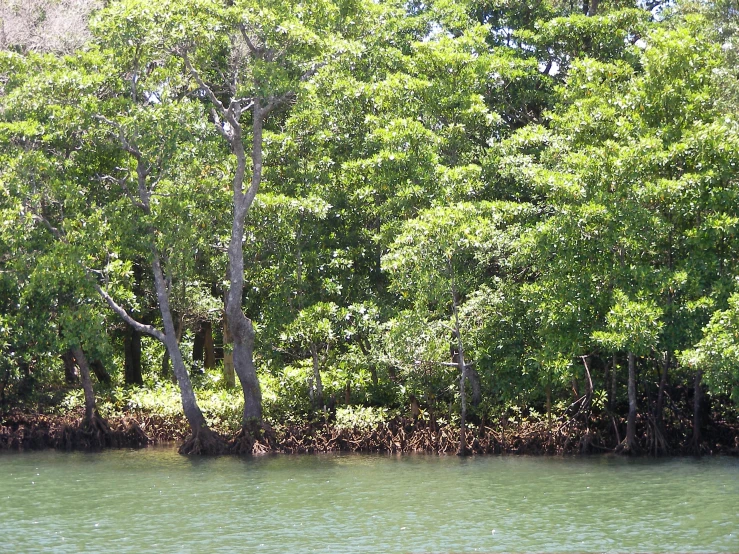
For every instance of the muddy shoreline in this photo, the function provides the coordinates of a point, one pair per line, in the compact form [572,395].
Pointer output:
[23,431]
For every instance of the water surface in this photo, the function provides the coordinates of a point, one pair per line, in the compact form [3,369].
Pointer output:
[155,500]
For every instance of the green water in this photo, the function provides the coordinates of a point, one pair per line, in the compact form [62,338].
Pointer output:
[155,500]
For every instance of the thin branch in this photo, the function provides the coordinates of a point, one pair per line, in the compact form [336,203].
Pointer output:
[123,314]
[247,40]
[41,219]
[312,71]
[211,95]
[121,136]
[122,183]
[447,364]
[90,274]
[218,123]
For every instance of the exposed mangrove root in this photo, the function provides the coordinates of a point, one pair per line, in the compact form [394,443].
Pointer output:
[22,432]
[254,438]
[556,437]
[96,432]
[204,442]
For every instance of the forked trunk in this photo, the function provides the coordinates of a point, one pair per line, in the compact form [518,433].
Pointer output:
[240,327]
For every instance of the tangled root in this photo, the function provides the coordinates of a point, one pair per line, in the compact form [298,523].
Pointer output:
[96,432]
[204,442]
[134,435]
[254,438]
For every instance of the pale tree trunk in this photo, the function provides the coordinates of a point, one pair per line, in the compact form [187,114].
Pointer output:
[226,119]
[241,328]
[189,403]
[86,380]
[631,420]
[228,356]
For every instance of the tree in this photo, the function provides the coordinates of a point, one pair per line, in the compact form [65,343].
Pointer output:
[120,174]
[631,172]
[439,259]
[271,50]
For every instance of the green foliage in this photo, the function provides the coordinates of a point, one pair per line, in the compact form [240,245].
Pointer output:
[360,417]
[559,185]
[631,326]
[717,353]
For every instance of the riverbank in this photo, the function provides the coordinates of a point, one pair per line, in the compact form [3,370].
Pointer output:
[24,431]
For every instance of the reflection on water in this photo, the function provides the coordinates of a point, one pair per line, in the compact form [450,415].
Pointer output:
[156,500]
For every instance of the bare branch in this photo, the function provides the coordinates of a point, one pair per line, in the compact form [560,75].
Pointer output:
[247,40]
[122,183]
[312,71]
[229,114]
[45,222]
[203,85]
[274,103]
[123,314]
[219,125]
[121,136]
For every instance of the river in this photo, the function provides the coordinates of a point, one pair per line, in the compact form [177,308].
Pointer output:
[154,500]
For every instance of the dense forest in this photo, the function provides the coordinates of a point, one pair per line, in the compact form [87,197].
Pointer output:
[475,217]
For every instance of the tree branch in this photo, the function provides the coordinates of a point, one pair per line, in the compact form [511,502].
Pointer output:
[122,183]
[122,313]
[252,48]
[208,91]
[121,136]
